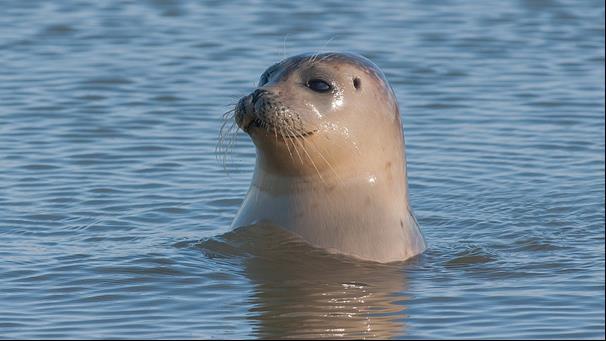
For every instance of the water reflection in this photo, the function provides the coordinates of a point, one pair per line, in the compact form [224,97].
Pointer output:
[301,292]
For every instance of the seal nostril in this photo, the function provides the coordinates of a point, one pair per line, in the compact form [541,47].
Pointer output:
[256,94]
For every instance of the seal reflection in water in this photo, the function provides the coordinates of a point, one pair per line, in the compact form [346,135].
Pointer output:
[331,164]
[301,292]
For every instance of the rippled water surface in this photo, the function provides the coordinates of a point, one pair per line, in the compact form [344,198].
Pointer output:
[114,209]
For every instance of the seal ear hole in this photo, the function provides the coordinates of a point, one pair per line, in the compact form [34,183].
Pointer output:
[357,83]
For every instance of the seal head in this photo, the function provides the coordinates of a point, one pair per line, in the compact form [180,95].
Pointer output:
[331,163]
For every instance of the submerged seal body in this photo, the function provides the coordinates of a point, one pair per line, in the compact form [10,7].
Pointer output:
[331,162]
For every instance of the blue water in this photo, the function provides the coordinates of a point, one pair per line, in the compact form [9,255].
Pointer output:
[113,206]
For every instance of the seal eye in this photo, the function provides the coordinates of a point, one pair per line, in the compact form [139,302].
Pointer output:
[318,85]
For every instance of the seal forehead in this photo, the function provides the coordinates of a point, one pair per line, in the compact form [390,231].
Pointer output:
[352,59]
[290,64]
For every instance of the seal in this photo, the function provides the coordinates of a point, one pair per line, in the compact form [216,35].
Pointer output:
[330,157]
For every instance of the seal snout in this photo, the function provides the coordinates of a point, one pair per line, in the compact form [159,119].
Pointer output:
[264,109]
[244,112]
[249,110]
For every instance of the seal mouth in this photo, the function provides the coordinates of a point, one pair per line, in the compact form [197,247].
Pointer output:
[262,124]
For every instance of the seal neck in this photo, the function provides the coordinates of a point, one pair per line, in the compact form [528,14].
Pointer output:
[371,178]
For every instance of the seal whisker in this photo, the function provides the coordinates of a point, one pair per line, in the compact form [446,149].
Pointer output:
[233,135]
[284,46]
[286,143]
[275,133]
[301,142]
[228,130]
[315,55]
[294,146]
[312,163]
[290,132]
[315,167]
[317,149]
[225,131]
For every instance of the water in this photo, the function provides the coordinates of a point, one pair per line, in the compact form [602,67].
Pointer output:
[113,206]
